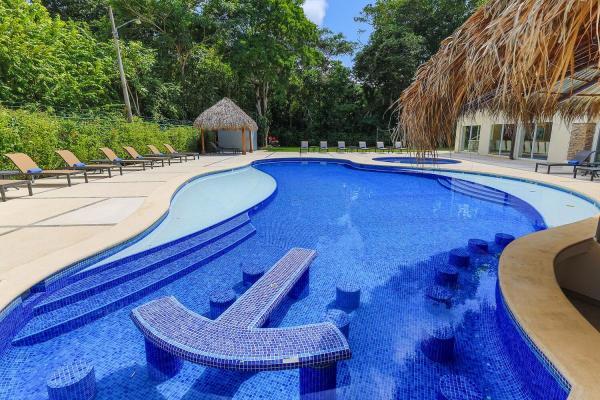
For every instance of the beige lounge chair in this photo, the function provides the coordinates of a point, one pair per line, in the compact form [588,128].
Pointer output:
[137,156]
[112,157]
[73,163]
[6,183]
[30,169]
[155,152]
[171,150]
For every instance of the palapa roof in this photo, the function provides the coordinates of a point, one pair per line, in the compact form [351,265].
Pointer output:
[225,115]
[525,59]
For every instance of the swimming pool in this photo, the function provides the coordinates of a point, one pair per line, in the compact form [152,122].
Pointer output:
[386,232]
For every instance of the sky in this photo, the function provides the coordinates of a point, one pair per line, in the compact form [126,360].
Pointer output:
[338,15]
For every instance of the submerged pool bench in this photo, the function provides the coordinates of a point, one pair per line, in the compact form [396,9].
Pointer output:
[236,341]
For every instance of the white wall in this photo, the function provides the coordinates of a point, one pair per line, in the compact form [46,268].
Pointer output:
[559,142]
[233,139]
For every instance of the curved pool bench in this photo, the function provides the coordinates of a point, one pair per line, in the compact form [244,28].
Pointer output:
[235,340]
[531,291]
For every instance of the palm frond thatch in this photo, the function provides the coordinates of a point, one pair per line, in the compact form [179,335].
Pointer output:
[524,59]
[225,115]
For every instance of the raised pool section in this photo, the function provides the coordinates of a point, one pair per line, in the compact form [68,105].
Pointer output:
[401,301]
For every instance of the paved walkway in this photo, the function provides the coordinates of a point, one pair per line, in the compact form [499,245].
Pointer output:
[59,225]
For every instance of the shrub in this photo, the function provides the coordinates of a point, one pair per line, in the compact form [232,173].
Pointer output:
[40,135]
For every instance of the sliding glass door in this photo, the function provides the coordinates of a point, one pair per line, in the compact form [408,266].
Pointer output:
[501,138]
[470,140]
[536,140]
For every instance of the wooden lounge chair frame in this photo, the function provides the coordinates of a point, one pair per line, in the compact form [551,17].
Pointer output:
[137,156]
[112,157]
[582,157]
[71,161]
[362,146]
[323,146]
[172,150]
[341,146]
[381,146]
[24,163]
[223,150]
[304,146]
[6,183]
[154,152]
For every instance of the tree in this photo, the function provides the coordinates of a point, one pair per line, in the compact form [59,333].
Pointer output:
[265,41]
[405,34]
[47,61]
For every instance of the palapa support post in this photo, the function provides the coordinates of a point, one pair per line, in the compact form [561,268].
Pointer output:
[243,141]
[202,141]
[251,142]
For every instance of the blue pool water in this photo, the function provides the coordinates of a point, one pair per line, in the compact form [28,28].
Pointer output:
[386,232]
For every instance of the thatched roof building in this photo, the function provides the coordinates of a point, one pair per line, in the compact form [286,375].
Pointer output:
[226,115]
[524,59]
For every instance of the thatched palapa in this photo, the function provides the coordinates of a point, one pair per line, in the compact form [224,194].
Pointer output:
[226,115]
[525,59]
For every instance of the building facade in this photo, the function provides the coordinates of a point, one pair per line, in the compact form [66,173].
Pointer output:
[554,140]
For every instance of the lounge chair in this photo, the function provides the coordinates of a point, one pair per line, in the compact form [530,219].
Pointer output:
[304,146]
[31,170]
[591,170]
[73,163]
[137,156]
[222,150]
[155,152]
[323,146]
[341,147]
[580,159]
[381,147]
[399,147]
[6,183]
[171,150]
[362,146]
[112,157]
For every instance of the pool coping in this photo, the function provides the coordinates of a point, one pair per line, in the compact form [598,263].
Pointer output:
[514,279]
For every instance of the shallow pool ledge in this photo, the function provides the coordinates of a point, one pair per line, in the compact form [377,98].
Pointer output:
[18,281]
[530,287]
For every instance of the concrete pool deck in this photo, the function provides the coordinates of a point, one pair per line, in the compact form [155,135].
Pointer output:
[60,225]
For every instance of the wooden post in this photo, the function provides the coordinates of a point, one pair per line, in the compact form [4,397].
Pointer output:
[202,140]
[251,142]
[243,141]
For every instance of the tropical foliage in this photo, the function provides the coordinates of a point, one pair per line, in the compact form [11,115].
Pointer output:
[182,56]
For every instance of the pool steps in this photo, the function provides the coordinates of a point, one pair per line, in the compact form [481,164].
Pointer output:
[476,190]
[122,282]
[120,271]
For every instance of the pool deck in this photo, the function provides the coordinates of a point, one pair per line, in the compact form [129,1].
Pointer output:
[60,225]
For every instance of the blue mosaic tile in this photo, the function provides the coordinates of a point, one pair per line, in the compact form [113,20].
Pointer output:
[362,233]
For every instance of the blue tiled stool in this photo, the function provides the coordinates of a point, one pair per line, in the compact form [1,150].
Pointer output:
[252,273]
[347,296]
[220,300]
[459,258]
[446,275]
[319,381]
[457,387]
[301,285]
[75,381]
[503,239]
[478,245]
[438,344]
[340,319]
[161,365]
[439,294]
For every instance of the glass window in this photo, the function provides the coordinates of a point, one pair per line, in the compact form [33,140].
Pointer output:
[501,138]
[471,138]
[536,140]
